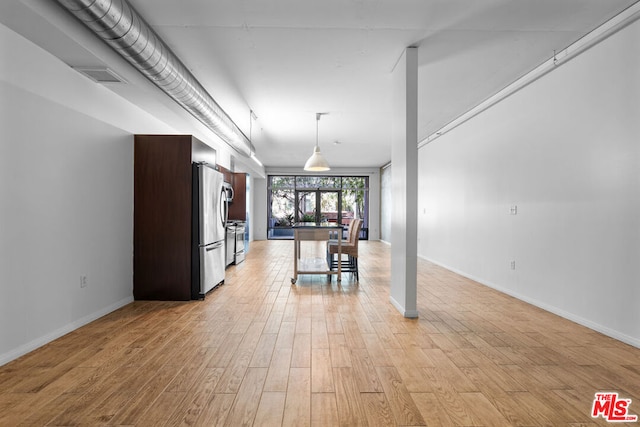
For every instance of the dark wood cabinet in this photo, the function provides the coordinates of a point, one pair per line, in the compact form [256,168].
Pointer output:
[228,175]
[162,229]
[238,208]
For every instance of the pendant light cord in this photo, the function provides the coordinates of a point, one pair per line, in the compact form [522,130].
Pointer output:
[318,115]
[317,126]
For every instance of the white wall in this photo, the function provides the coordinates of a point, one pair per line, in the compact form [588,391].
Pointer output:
[255,207]
[259,203]
[66,197]
[566,151]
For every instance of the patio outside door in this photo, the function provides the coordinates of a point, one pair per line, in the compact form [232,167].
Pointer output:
[319,206]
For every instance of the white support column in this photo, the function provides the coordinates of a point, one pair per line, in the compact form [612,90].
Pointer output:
[404,184]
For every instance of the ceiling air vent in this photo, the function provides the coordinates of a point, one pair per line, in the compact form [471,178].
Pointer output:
[100,74]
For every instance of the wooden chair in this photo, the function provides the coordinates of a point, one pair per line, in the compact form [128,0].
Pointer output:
[349,248]
[340,234]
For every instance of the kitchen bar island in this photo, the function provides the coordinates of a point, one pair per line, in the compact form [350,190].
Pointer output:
[311,231]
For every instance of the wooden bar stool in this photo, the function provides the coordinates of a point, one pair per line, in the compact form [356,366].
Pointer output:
[349,248]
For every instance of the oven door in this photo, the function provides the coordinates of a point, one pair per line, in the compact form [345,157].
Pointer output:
[230,243]
[239,244]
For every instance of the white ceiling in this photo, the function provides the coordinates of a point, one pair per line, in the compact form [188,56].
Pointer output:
[288,59]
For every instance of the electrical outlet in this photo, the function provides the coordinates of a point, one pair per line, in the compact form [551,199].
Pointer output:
[513,265]
[513,210]
[84,280]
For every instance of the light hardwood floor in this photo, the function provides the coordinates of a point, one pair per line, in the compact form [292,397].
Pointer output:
[259,351]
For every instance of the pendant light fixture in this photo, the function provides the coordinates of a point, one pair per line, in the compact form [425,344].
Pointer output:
[317,162]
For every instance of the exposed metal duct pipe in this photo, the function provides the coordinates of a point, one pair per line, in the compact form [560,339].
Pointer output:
[120,26]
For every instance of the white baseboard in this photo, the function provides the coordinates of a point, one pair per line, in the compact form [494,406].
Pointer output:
[550,308]
[411,314]
[45,339]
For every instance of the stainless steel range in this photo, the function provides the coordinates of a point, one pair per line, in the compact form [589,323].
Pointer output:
[240,249]
[235,248]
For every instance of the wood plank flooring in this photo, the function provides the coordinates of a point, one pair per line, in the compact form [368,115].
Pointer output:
[259,351]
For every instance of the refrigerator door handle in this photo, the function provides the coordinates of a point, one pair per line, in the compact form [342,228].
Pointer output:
[224,208]
[214,246]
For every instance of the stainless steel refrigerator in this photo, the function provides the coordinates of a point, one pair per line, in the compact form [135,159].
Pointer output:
[210,216]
